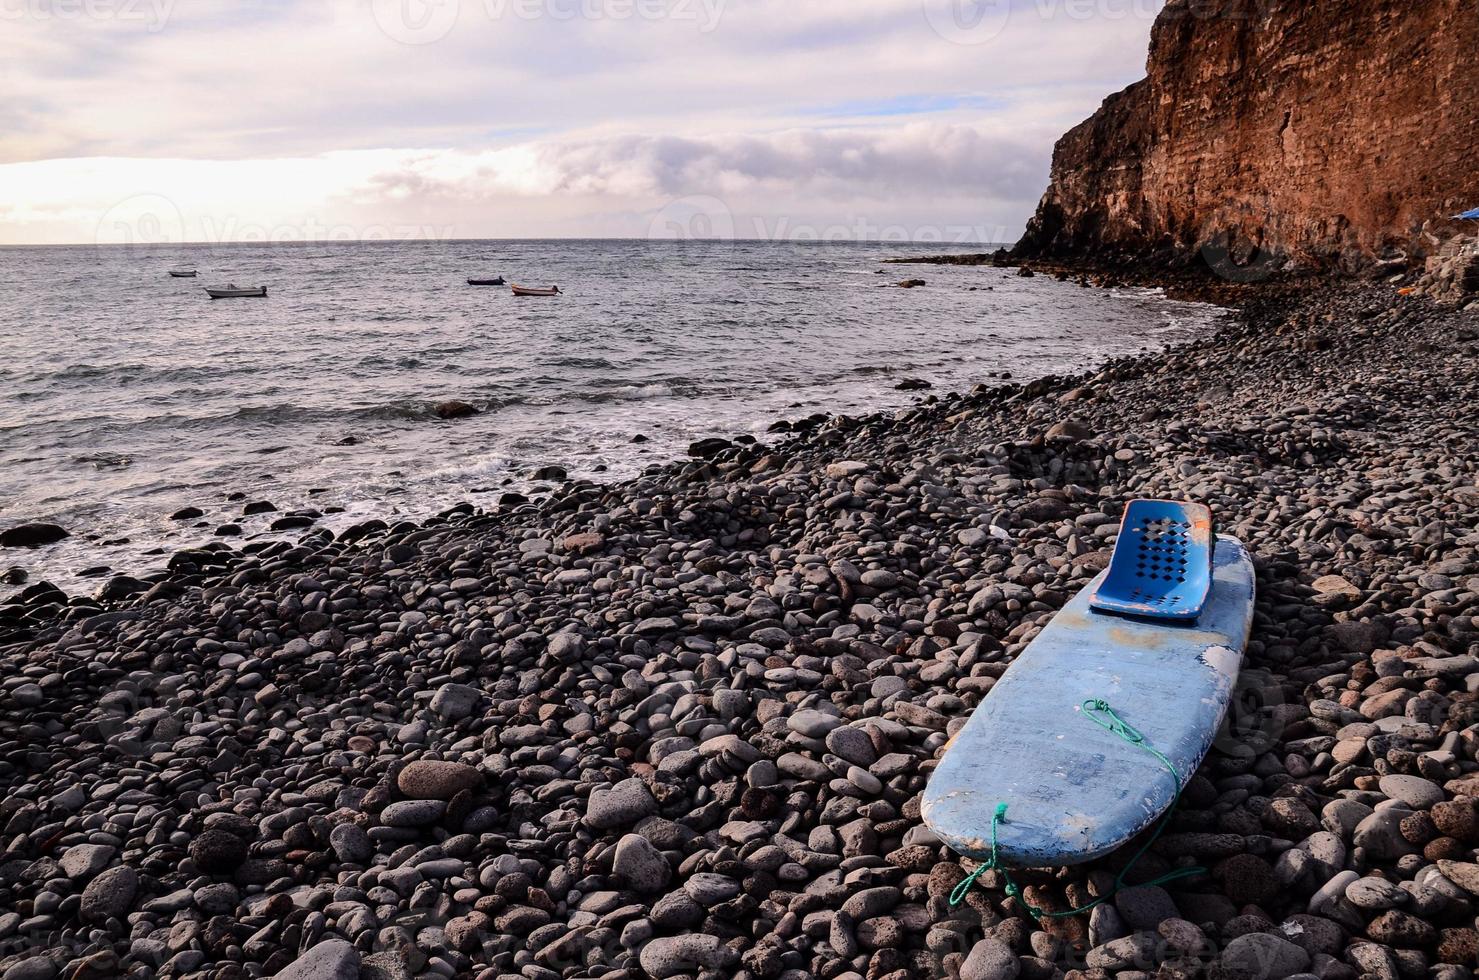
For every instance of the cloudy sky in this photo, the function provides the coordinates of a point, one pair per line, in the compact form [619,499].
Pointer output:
[217,120]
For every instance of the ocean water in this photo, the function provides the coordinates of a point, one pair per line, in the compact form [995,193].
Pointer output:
[128,395]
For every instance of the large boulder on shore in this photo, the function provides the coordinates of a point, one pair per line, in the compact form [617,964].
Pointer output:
[110,895]
[32,535]
[708,448]
[1069,430]
[121,587]
[672,955]
[623,804]
[1263,956]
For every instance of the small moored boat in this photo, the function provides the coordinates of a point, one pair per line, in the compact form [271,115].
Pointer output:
[233,291]
[496,281]
[532,291]
[182,273]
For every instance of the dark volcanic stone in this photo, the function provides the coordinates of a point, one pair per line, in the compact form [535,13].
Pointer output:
[425,779]
[1264,956]
[217,851]
[31,535]
[121,587]
[1458,819]
[453,410]
[110,895]
[1247,878]
[1315,934]
[1398,928]
[1290,819]
[1460,945]
[708,448]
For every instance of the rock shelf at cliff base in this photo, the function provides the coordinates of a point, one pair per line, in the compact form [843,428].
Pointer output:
[679,726]
[1336,135]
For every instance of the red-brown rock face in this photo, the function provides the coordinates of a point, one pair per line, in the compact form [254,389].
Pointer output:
[1335,133]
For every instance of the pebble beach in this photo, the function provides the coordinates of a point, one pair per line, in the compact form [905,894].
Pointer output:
[679,726]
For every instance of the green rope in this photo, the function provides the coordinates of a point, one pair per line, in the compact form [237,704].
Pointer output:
[1101,714]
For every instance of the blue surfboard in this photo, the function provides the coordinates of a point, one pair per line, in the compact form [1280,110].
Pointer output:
[1074,791]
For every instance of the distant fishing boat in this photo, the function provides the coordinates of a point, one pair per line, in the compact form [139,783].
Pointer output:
[182,273]
[498,281]
[530,291]
[233,291]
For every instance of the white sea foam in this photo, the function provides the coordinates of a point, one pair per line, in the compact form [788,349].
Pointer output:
[330,383]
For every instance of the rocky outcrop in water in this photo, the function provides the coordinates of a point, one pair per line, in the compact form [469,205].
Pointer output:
[1336,135]
[31,535]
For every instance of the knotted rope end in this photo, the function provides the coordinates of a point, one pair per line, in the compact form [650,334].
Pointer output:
[1092,708]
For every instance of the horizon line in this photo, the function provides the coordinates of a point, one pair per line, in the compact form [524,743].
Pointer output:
[552,238]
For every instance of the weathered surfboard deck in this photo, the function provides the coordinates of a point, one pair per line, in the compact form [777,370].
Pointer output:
[1074,791]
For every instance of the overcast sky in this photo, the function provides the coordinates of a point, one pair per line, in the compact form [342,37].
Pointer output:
[216,120]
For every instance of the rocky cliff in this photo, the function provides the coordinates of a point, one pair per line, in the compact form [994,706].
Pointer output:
[1333,134]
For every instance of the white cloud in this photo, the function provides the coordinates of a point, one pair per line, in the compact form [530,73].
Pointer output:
[839,177]
[538,122]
